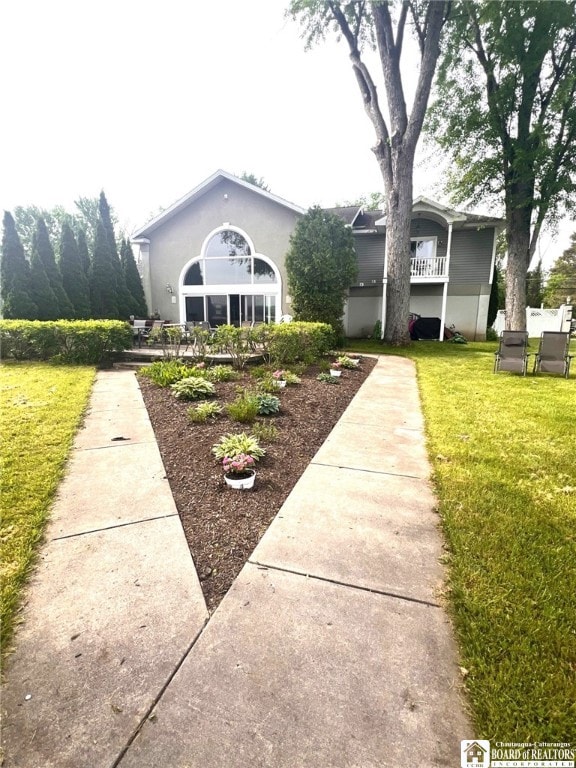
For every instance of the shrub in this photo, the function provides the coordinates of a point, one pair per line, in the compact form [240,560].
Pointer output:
[233,445]
[82,342]
[305,342]
[267,404]
[164,373]
[193,388]
[234,342]
[203,411]
[347,362]
[244,409]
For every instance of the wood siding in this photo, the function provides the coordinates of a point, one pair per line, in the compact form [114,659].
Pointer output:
[471,255]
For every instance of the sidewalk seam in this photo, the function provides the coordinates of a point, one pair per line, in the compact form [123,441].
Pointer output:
[157,698]
[338,583]
[370,471]
[113,527]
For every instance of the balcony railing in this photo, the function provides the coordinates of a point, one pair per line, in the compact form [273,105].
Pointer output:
[430,267]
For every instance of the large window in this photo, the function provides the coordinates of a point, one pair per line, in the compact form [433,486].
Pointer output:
[229,283]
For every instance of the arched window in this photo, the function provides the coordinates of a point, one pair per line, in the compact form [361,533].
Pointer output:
[228,260]
[229,283]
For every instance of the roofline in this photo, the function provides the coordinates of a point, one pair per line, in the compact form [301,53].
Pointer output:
[425,205]
[205,186]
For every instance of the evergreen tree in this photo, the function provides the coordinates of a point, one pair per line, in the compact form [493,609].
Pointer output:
[123,299]
[15,277]
[74,280]
[41,290]
[534,286]
[133,281]
[103,297]
[321,266]
[561,283]
[41,243]
[83,252]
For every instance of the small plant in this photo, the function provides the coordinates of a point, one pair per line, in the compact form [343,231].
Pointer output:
[279,375]
[268,384]
[344,361]
[327,379]
[200,413]
[267,404]
[193,388]
[164,373]
[233,445]
[238,465]
[265,432]
[336,366]
[244,409]
[287,376]
[221,373]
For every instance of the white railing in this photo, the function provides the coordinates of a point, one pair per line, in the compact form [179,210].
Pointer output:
[428,267]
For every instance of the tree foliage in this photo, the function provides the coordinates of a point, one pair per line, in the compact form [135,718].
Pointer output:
[382,26]
[321,265]
[41,245]
[74,279]
[15,279]
[133,280]
[506,114]
[253,179]
[561,284]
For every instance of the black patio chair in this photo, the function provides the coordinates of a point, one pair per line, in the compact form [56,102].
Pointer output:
[552,355]
[512,354]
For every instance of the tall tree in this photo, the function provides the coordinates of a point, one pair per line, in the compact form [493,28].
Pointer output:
[40,289]
[83,252]
[506,115]
[251,178]
[535,286]
[561,285]
[103,296]
[321,265]
[41,243]
[123,299]
[364,22]
[26,218]
[74,279]
[133,280]
[15,281]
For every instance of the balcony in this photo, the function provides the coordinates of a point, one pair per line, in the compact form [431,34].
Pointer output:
[428,268]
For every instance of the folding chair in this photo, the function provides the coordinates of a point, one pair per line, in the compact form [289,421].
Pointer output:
[511,354]
[552,355]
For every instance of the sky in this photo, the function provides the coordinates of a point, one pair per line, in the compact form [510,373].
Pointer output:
[147,99]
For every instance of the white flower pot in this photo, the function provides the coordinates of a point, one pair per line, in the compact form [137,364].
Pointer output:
[241,483]
[280,384]
[335,373]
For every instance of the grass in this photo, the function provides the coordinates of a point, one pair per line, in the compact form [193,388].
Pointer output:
[503,451]
[40,409]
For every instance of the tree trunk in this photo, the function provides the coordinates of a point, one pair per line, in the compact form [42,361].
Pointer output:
[518,237]
[399,213]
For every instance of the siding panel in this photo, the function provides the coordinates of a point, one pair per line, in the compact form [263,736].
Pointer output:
[370,250]
[471,255]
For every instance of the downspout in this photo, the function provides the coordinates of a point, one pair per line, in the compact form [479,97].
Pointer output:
[445,287]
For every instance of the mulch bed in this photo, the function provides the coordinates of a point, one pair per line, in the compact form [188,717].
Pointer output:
[222,525]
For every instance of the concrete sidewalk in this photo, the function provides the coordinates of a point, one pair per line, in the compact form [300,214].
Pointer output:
[330,650]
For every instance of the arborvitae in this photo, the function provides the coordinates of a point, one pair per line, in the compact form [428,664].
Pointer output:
[103,297]
[41,290]
[15,278]
[74,280]
[123,298]
[133,281]
[83,252]
[41,242]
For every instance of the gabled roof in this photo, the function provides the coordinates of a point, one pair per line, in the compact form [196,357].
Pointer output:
[202,189]
[446,214]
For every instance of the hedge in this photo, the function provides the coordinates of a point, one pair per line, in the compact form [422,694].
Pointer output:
[85,342]
[300,342]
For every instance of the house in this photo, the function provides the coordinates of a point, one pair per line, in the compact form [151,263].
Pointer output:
[475,754]
[218,254]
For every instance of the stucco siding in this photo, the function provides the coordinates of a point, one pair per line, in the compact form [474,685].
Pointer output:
[178,240]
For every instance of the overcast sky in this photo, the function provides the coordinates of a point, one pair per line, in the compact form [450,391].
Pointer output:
[147,99]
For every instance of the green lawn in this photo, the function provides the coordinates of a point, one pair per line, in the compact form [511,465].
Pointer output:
[503,450]
[40,409]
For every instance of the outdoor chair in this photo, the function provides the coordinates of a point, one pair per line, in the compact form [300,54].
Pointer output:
[512,352]
[552,355]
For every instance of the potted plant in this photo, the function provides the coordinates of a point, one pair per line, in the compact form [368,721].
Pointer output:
[280,378]
[336,369]
[238,471]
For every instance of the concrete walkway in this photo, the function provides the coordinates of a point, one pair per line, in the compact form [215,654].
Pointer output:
[331,650]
